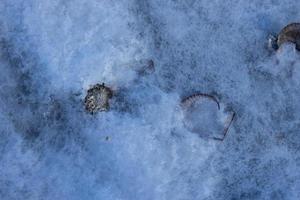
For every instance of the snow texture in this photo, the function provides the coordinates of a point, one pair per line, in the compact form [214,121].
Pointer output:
[52,51]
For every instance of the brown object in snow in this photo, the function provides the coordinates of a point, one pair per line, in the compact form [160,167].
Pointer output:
[97,98]
[290,33]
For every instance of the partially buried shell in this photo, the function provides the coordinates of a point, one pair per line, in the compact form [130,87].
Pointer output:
[290,34]
[204,115]
[97,98]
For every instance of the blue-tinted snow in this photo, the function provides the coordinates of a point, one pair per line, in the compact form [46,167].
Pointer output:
[52,51]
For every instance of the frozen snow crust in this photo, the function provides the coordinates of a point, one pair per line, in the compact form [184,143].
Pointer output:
[51,52]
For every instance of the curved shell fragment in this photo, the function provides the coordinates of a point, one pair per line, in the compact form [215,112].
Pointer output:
[290,34]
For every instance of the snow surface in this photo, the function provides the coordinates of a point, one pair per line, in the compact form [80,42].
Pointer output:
[52,51]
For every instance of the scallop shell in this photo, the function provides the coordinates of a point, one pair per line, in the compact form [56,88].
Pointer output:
[290,34]
[97,98]
[203,115]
